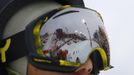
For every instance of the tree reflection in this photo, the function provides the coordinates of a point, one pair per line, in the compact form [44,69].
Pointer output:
[58,39]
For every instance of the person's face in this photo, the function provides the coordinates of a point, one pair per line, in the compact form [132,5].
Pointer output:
[83,70]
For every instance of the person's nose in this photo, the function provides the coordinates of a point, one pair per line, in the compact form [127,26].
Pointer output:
[83,71]
[87,70]
[86,67]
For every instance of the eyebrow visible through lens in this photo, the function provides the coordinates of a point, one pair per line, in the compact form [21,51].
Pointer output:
[64,13]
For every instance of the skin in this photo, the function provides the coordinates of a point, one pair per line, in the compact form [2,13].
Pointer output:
[85,69]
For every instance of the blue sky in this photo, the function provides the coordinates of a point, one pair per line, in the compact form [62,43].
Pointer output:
[118,19]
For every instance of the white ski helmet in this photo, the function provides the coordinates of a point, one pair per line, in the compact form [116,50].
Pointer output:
[63,39]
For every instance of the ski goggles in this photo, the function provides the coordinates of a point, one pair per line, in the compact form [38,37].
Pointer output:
[62,40]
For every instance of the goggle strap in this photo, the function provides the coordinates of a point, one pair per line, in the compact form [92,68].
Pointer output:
[3,49]
[15,47]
